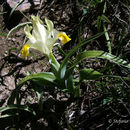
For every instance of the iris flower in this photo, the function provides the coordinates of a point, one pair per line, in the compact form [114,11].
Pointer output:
[42,37]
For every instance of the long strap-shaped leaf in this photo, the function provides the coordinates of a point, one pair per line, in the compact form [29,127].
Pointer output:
[48,77]
[18,107]
[76,48]
[20,2]
[17,27]
[100,54]
[90,74]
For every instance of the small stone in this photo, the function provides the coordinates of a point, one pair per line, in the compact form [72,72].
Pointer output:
[24,6]
[13,39]
[59,58]
[18,34]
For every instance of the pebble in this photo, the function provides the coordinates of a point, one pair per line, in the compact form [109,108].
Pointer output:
[24,6]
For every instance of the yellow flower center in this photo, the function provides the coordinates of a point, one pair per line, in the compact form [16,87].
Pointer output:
[64,38]
[25,51]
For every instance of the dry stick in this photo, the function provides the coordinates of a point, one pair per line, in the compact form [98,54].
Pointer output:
[124,104]
[40,6]
[118,114]
[124,82]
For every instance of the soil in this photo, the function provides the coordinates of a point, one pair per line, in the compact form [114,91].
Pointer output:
[13,67]
[12,62]
[84,113]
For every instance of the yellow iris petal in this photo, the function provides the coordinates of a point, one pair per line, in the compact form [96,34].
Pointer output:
[25,51]
[64,38]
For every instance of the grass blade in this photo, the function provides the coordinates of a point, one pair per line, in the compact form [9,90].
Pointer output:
[17,27]
[66,59]
[99,23]
[100,54]
[48,76]
[107,38]
[89,74]
[18,107]
[20,2]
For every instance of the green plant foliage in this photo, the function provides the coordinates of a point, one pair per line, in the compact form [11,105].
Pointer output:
[1,13]
[20,2]
[15,107]
[89,74]
[17,27]
[3,34]
[102,84]
[66,59]
[46,77]
[100,54]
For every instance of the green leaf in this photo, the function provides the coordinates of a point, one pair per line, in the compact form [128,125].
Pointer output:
[13,49]
[54,64]
[98,23]
[104,18]
[69,80]
[107,38]
[1,13]
[105,7]
[17,27]
[100,54]
[65,82]
[20,2]
[3,34]
[63,71]
[40,96]
[127,80]
[107,100]
[18,107]
[66,59]
[85,11]
[89,74]
[46,77]
[8,115]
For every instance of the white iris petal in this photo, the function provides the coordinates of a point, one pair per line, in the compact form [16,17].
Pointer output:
[43,37]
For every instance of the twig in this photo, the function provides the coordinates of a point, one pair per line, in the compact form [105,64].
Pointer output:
[40,6]
[124,105]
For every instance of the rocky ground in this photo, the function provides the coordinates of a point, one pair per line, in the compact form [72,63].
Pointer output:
[68,15]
